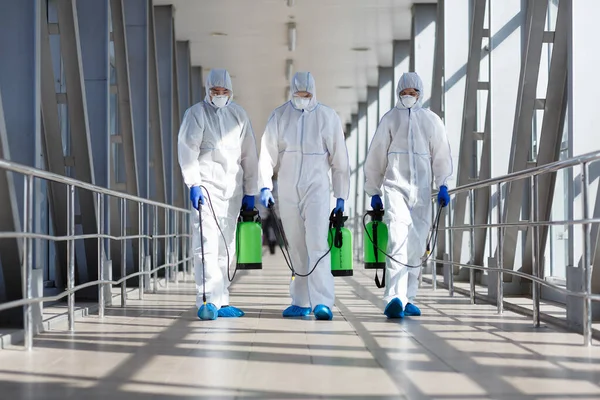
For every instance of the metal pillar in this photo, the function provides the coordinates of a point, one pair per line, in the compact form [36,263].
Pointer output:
[422,46]
[93,17]
[136,34]
[437,84]
[372,114]
[353,144]
[10,249]
[126,133]
[178,186]
[19,133]
[555,107]
[467,165]
[184,76]
[521,138]
[362,153]
[197,85]
[401,63]
[386,90]
[158,188]
[163,27]
[80,140]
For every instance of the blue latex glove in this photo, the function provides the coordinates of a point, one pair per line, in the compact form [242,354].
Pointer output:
[376,202]
[196,196]
[248,202]
[266,197]
[339,207]
[443,196]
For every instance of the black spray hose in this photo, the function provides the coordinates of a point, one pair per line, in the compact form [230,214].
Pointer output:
[430,249]
[202,252]
[210,205]
[285,248]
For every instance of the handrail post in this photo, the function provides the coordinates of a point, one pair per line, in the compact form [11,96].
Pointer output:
[141,250]
[500,253]
[535,265]
[433,265]
[190,245]
[586,259]
[100,217]
[71,256]
[123,252]
[185,247]
[472,244]
[167,247]
[450,250]
[155,249]
[27,261]
[176,240]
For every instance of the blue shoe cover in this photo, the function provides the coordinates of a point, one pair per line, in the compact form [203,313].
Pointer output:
[296,311]
[394,309]
[230,312]
[208,312]
[412,311]
[323,313]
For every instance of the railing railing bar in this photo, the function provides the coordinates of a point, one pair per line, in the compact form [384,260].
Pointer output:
[45,299]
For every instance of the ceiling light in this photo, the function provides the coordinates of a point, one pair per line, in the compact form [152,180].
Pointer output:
[290,3]
[291,36]
[360,49]
[218,34]
[344,87]
[289,69]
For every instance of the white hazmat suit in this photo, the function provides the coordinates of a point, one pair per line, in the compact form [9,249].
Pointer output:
[217,150]
[302,146]
[409,145]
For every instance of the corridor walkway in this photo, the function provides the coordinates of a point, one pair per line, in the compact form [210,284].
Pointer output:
[157,349]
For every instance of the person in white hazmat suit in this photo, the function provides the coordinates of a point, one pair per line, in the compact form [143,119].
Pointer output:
[218,154]
[409,151]
[302,142]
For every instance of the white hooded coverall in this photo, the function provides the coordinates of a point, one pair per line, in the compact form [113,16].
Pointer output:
[217,150]
[408,146]
[302,146]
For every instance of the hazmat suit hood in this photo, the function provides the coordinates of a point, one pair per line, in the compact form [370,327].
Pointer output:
[304,82]
[410,80]
[218,78]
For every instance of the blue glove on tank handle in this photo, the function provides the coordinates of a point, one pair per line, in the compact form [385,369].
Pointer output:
[443,196]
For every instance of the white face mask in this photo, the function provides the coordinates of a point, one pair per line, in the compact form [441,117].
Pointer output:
[300,102]
[408,101]
[220,101]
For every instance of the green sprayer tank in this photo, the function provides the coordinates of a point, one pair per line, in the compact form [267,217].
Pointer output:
[341,251]
[375,240]
[248,240]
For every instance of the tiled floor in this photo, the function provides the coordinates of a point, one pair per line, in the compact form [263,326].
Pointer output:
[157,349]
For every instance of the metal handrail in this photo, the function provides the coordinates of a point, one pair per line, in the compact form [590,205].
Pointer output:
[45,299]
[530,172]
[41,236]
[50,176]
[173,233]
